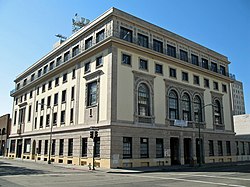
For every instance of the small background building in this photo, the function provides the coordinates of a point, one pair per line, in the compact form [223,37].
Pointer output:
[242,130]
[5,124]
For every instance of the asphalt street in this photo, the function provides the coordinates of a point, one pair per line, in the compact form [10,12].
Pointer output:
[18,173]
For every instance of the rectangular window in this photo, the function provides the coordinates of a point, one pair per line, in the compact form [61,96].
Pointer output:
[206,83]
[56,99]
[84,147]
[97,147]
[45,69]
[39,73]
[126,34]
[70,147]
[211,147]
[58,61]
[27,144]
[12,146]
[100,36]
[142,40]
[63,96]
[157,46]
[127,147]
[37,90]
[126,59]
[36,106]
[42,104]
[73,73]
[71,115]
[72,93]
[43,88]
[159,148]
[171,51]
[47,120]
[220,148]
[56,81]
[53,147]
[88,42]
[216,86]
[196,80]
[194,59]
[144,147]
[48,101]
[185,76]
[24,82]
[75,51]
[29,113]
[143,64]
[32,77]
[158,68]
[214,67]
[61,147]
[35,126]
[237,148]
[46,143]
[172,72]
[54,119]
[183,55]
[222,70]
[224,88]
[51,65]
[228,145]
[39,150]
[242,148]
[50,85]
[87,67]
[63,116]
[31,94]
[99,61]
[66,56]
[41,122]
[92,93]
[204,63]
[65,77]
[15,116]
[25,96]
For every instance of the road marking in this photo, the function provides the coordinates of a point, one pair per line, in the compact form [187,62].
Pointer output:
[185,180]
[211,176]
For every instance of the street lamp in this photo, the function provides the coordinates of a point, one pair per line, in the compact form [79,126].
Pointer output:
[199,127]
[51,126]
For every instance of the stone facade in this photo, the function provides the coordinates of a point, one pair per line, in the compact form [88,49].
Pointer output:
[5,125]
[117,75]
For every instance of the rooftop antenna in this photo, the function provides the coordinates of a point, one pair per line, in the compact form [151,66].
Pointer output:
[78,23]
[61,37]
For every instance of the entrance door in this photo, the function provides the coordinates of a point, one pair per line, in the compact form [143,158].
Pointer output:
[19,148]
[33,149]
[199,152]
[175,156]
[187,150]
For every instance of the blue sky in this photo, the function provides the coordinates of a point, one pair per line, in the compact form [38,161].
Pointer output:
[28,28]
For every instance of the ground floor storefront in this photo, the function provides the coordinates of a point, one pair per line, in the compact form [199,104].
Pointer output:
[126,146]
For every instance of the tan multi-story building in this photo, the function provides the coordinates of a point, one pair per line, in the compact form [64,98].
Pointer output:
[146,89]
[237,95]
[5,125]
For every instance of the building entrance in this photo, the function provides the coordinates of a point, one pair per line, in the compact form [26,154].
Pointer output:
[187,150]
[175,153]
[19,148]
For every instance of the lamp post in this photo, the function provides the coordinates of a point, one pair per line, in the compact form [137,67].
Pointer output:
[199,127]
[51,127]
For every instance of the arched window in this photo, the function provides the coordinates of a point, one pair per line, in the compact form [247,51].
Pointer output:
[173,105]
[143,100]
[197,109]
[217,112]
[186,107]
